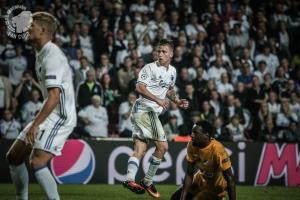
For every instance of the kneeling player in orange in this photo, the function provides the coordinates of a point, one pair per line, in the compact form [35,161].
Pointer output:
[214,180]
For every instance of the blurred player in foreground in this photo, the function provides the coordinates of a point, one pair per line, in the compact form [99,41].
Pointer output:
[45,135]
[214,180]
[155,82]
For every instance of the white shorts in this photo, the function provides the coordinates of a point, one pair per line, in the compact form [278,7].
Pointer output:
[51,137]
[146,125]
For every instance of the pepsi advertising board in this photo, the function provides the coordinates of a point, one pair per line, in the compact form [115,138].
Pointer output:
[84,161]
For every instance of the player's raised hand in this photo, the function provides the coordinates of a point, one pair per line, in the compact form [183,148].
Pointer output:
[31,135]
[183,103]
[163,103]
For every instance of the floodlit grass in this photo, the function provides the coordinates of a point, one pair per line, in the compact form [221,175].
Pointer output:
[117,192]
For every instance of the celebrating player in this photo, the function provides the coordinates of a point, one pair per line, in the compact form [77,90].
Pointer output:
[44,137]
[214,180]
[155,82]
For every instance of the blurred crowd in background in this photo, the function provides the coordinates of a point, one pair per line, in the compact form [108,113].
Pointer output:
[238,64]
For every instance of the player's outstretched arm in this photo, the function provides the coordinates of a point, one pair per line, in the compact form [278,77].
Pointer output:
[172,95]
[188,180]
[141,89]
[50,104]
[230,184]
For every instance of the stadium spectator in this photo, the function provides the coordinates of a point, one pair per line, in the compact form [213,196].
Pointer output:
[194,28]
[290,88]
[125,109]
[94,118]
[271,60]
[171,128]
[145,47]
[266,86]
[75,16]
[207,112]
[237,40]
[31,107]
[17,66]
[236,130]
[105,66]
[23,90]
[268,134]
[5,92]
[224,87]
[199,82]
[285,116]
[9,127]
[182,80]
[215,101]
[241,93]
[81,73]
[192,98]
[246,75]
[264,115]
[216,70]
[175,25]
[132,82]
[173,110]
[125,75]
[261,71]
[295,103]
[88,89]
[86,42]
[218,53]
[220,131]
[291,134]
[74,59]
[230,109]
[280,81]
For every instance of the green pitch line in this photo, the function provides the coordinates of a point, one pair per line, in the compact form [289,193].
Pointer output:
[117,192]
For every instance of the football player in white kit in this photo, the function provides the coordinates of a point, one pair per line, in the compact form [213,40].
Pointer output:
[44,137]
[155,82]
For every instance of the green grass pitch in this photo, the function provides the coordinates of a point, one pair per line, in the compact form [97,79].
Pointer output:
[117,192]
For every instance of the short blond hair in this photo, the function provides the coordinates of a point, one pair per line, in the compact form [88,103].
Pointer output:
[46,19]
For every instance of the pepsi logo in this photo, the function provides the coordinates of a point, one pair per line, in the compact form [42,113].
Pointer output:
[76,164]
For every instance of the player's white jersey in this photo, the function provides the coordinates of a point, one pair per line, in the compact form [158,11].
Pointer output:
[53,70]
[158,80]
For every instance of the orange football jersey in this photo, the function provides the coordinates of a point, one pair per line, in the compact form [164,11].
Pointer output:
[212,161]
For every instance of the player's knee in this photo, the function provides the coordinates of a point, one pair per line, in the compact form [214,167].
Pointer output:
[36,163]
[163,148]
[12,158]
[139,154]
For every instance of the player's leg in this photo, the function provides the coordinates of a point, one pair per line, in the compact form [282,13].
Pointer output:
[16,156]
[158,135]
[177,194]
[207,195]
[49,143]
[140,148]
[38,162]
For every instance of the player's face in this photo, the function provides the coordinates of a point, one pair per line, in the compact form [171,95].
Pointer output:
[165,55]
[199,138]
[34,31]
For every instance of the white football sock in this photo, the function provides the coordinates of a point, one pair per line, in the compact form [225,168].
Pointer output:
[132,168]
[154,164]
[19,176]
[47,182]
